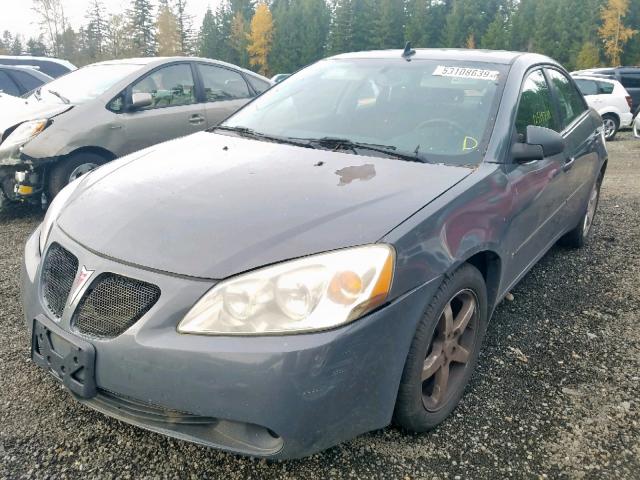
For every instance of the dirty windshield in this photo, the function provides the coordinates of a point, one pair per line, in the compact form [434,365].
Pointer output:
[436,111]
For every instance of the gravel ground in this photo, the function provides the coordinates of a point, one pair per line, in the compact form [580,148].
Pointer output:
[556,394]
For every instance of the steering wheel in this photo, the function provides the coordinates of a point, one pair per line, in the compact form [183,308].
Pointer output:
[446,142]
[442,121]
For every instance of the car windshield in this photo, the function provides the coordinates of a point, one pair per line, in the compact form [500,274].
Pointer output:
[436,111]
[84,84]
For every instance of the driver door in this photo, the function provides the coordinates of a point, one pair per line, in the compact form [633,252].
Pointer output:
[174,111]
[540,189]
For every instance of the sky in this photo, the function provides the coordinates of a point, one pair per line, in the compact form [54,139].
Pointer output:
[17,16]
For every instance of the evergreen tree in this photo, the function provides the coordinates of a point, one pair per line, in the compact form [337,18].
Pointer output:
[142,28]
[341,36]
[185,26]
[16,46]
[36,47]
[390,24]
[95,29]
[209,38]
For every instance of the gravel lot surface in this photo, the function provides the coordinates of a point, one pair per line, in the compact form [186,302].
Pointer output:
[556,394]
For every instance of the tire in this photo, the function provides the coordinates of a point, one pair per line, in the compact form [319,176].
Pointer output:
[420,406]
[578,237]
[611,126]
[71,168]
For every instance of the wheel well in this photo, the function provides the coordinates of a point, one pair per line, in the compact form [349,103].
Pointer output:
[490,266]
[103,152]
[613,115]
[603,168]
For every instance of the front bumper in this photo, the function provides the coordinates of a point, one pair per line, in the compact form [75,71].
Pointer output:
[273,396]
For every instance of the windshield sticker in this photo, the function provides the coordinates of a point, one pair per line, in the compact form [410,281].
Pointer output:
[464,72]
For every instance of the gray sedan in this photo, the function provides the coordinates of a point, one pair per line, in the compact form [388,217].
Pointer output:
[322,263]
[109,109]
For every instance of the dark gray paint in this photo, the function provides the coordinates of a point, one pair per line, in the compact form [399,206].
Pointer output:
[314,390]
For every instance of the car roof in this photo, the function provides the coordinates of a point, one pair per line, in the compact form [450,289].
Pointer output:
[598,78]
[461,54]
[30,70]
[156,61]
[59,61]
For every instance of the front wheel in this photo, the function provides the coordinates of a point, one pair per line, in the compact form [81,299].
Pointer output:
[70,169]
[444,351]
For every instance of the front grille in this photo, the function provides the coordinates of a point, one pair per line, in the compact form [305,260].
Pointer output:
[112,304]
[58,273]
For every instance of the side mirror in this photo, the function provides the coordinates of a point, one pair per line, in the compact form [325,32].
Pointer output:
[141,100]
[541,142]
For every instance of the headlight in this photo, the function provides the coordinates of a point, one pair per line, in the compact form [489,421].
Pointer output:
[312,293]
[54,210]
[25,132]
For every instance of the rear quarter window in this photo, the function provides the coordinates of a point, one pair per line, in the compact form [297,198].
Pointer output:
[605,87]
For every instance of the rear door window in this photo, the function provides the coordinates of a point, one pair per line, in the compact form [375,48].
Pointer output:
[7,85]
[535,106]
[222,84]
[570,101]
[587,87]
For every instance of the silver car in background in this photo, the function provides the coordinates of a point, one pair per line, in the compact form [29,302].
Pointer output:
[109,109]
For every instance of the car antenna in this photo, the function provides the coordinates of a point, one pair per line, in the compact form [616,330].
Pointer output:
[408,52]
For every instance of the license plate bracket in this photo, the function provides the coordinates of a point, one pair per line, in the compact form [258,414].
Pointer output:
[70,359]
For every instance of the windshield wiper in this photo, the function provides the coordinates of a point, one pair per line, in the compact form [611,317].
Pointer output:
[251,133]
[60,96]
[345,143]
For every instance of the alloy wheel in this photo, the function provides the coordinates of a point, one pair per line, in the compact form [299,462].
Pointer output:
[451,349]
[591,209]
[81,170]
[609,127]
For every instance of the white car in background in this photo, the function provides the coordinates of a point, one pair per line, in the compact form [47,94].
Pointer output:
[636,126]
[610,99]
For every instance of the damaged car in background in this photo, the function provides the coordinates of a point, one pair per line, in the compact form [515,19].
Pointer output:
[322,263]
[106,110]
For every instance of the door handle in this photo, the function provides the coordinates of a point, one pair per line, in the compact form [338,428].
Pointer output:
[196,119]
[568,163]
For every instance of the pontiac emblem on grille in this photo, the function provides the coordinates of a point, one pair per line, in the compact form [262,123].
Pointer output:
[80,281]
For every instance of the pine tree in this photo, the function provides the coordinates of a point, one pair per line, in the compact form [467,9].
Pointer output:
[95,29]
[209,38]
[36,47]
[613,32]
[142,28]
[341,35]
[16,46]
[260,38]
[185,26]
[390,24]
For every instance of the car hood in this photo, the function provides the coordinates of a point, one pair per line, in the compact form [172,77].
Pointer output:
[212,205]
[17,110]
